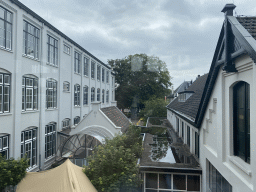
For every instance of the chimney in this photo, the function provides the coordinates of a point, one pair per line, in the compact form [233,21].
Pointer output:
[228,9]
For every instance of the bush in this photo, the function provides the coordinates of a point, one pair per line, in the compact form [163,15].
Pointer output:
[12,171]
[113,167]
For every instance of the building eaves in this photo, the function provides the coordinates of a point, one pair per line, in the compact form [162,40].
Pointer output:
[40,19]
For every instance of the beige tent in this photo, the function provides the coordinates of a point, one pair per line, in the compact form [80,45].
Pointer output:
[64,178]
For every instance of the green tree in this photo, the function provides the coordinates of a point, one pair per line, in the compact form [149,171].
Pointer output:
[113,167]
[140,76]
[12,171]
[155,107]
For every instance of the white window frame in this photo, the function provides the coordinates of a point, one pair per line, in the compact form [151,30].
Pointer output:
[54,59]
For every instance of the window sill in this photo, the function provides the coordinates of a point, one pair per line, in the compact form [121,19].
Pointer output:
[56,66]
[77,106]
[5,114]
[66,53]
[49,158]
[86,76]
[77,73]
[8,50]
[66,91]
[51,109]
[29,57]
[31,169]
[30,111]
[245,167]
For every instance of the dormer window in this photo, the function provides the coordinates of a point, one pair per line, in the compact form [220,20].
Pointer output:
[183,96]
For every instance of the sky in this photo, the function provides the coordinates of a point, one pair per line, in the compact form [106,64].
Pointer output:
[182,33]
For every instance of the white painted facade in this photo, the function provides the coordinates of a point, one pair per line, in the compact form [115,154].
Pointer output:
[216,141]
[14,62]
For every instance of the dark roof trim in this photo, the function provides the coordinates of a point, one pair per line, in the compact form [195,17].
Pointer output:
[33,14]
[184,117]
[187,92]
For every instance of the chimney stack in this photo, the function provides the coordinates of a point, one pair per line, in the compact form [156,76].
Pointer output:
[228,9]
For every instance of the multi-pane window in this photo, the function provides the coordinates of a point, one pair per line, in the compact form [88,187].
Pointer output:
[76,120]
[112,81]
[4,145]
[50,140]
[98,72]
[51,93]
[197,144]
[171,182]
[98,94]
[241,120]
[103,74]
[177,124]
[77,95]
[77,63]
[92,69]
[29,93]
[107,77]
[5,28]
[66,49]
[30,40]
[92,94]
[86,66]
[66,123]
[5,88]
[52,51]
[103,95]
[107,96]
[85,95]
[29,146]
[216,181]
[188,135]
[66,86]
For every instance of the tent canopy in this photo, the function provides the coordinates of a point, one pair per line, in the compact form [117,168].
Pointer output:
[64,178]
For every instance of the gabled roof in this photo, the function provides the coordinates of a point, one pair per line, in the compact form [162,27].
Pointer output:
[117,117]
[182,87]
[189,108]
[242,30]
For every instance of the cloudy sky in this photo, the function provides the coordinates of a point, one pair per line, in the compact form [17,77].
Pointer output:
[183,33]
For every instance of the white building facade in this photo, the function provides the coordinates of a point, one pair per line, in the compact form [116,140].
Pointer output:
[47,83]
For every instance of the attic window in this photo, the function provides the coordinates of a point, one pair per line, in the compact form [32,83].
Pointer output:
[183,96]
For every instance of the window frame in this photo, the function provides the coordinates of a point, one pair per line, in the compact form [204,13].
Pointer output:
[30,141]
[4,148]
[66,123]
[34,96]
[76,120]
[3,87]
[98,94]
[86,94]
[67,50]
[197,145]
[92,94]
[103,96]
[77,92]
[107,96]
[66,86]
[86,66]
[103,74]
[98,72]
[54,90]
[55,47]
[77,62]
[6,23]
[50,138]
[107,76]
[93,69]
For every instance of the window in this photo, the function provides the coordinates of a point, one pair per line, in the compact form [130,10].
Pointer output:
[5,88]
[51,93]
[85,95]
[50,140]
[29,93]
[66,123]
[197,144]
[52,51]
[112,81]
[107,77]
[103,95]
[98,94]
[103,74]
[216,181]
[29,146]
[241,120]
[98,72]
[86,66]
[92,69]
[107,96]
[30,40]
[77,95]
[113,96]
[92,94]
[177,124]
[5,28]
[77,63]
[188,135]
[76,120]
[66,49]
[182,129]
[66,86]
[4,146]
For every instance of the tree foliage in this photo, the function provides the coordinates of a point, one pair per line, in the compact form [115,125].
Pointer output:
[140,76]
[12,171]
[113,167]
[154,107]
